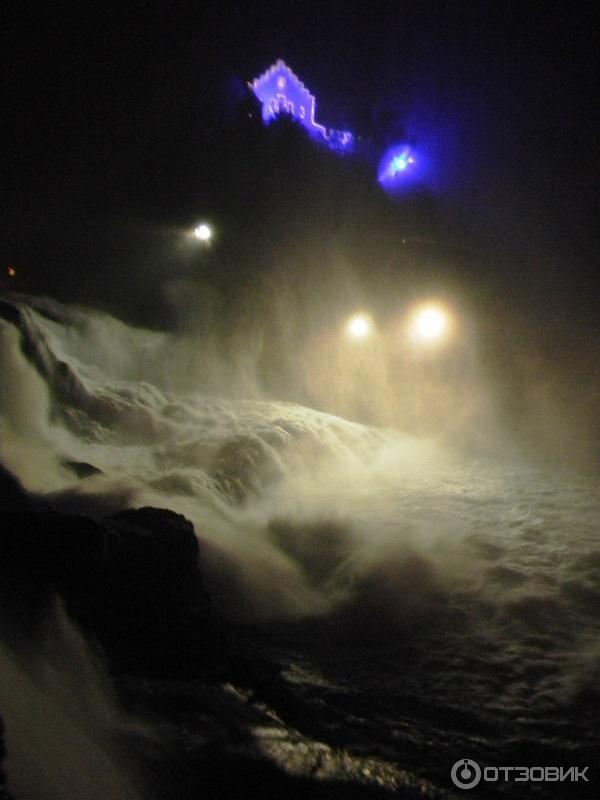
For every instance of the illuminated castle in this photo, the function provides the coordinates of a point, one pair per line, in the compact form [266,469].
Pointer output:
[282,92]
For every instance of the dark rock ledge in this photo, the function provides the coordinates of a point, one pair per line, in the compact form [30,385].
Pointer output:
[131,581]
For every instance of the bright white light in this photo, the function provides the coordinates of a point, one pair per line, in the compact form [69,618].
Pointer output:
[429,324]
[359,326]
[203,232]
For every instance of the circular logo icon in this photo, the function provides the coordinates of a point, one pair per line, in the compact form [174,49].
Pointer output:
[465,773]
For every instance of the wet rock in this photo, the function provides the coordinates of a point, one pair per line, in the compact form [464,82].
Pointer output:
[131,580]
[81,468]
[4,794]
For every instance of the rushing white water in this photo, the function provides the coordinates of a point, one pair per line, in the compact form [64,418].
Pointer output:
[83,387]
[64,732]
[301,513]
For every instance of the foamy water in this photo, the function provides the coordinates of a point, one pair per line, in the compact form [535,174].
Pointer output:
[486,569]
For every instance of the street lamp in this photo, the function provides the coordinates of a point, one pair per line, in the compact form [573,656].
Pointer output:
[359,326]
[429,324]
[203,232]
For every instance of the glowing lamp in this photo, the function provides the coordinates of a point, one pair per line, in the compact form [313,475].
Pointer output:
[359,326]
[398,168]
[203,232]
[398,164]
[429,324]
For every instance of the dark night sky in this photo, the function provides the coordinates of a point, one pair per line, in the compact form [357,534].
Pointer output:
[108,115]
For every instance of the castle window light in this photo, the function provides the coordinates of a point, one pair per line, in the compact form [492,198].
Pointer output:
[285,104]
[297,101]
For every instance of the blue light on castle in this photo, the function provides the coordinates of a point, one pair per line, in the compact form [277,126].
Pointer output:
[398,169]
[401,170]
[282,92]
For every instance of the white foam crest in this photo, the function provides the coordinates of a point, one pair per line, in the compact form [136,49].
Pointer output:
[61,719]
[298,512]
